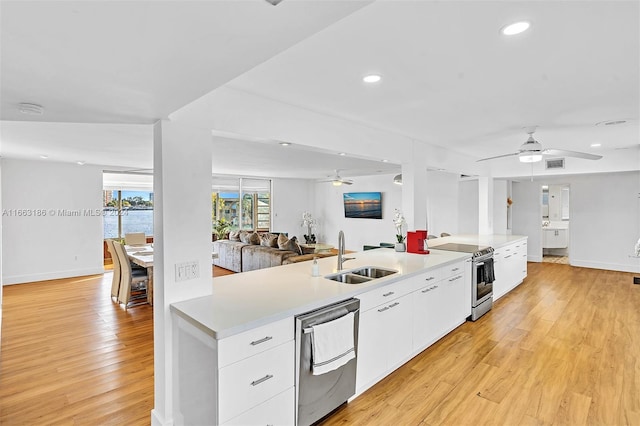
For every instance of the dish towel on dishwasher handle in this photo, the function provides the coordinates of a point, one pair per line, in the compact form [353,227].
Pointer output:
[332,344]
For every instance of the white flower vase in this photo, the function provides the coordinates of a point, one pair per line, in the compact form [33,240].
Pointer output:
[400,247]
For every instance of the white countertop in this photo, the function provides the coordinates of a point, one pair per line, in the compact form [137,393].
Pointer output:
[496,241]
[251,299]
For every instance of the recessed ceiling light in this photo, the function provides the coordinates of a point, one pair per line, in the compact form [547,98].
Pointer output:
[342,153]
[30,109]
[385,161]
[371,78]
[284,143]
[515,28]
[44,157]
[80,163]
[595,145]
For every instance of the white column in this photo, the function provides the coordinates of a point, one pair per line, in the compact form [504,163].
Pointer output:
[182,234]
[485,205]
[414,188]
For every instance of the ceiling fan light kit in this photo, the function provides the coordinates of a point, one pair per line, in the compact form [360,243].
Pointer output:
[337,180]
[527,157]
[531,152]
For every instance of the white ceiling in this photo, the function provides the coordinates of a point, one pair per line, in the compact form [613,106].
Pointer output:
[449,78]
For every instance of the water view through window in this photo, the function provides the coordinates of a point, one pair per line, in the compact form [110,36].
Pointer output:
[134,210]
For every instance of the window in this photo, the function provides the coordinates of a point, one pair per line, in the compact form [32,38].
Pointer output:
[244,203]
[127,204]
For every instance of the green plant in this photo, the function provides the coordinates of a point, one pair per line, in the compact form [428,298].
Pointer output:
[221,227]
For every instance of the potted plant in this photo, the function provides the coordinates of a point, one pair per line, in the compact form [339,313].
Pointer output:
[220,228]
[310,223]
[398,221]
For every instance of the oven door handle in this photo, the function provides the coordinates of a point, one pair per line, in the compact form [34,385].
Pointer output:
[479,263]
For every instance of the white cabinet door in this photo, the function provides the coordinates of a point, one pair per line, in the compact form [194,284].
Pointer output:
[372,361]
[398,338]
[555,238]
[500,271]
[427,312]
[468,288]
[453,301]
[384,340]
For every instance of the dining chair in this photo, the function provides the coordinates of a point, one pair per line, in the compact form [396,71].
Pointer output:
[135,239]
[117,273]
[133,282]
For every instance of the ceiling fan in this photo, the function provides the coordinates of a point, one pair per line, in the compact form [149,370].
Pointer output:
[531,151]
[337,180]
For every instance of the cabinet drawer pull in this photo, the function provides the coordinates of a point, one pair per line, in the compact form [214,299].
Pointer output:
[388,294]
[264,339]
[393,305]
[455,278]
[506,257]
[429,279]
[434,287]
[383,309]
[455,269]
[264,379]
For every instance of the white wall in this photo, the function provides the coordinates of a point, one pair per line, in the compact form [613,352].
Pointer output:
[51,245]
[289,199]
[358,232]
[499,206]
[442,202]
[468,200]
[605,218]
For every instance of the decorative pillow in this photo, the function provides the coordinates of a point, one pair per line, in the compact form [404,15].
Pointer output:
[269,240]
[244,237]
[234,236]
[291,244]
[254,239]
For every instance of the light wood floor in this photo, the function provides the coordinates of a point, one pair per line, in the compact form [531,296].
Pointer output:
[562,348]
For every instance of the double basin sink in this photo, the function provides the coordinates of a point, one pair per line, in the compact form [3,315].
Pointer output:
[360,275]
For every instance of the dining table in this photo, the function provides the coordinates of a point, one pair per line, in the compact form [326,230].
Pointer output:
[142,255]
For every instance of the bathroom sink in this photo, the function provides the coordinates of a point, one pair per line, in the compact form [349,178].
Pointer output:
[360,275]
[372,272]
[348,278]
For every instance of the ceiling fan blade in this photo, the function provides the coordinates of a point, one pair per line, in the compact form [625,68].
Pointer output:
[347,182]
[637,146]
[498,156]
[565,153]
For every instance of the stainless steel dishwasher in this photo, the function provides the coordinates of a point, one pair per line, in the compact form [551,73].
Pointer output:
[319,395]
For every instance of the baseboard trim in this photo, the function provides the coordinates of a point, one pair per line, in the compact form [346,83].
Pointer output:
[21,279]
[158,420]
[606,266]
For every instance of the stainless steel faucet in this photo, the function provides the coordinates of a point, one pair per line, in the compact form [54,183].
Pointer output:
[341,258]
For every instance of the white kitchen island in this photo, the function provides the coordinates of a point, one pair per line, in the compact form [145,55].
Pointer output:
[234,350]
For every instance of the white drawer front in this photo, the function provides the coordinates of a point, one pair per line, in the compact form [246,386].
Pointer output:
[249,382]
[381,295]
[252,342]
[454,269]
[427,279]
[277,411]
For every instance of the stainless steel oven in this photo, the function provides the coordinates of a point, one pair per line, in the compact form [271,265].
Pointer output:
[482,275]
